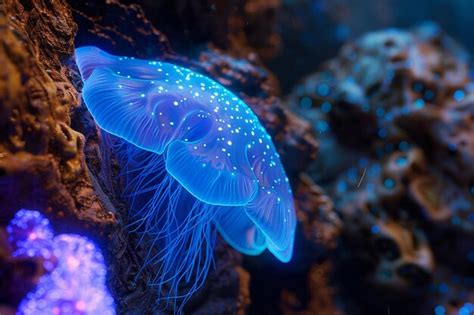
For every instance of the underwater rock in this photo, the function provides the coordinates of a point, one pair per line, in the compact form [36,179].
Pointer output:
[37,98]
[237,25]
[394,116]
[52,157]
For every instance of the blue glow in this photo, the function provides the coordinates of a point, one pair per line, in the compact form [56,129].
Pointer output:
[389,183]
[306,102]
[326,107]
[443,288]
[440,310]
[75,282]
[459,95]
[466,309]
[195,154]
[404,145]
[375,229]
[29,234]
[321,126]
[419,103]
[323,89]
[418,87]
[429,95]
[401,161]
[382,133]
[380,112]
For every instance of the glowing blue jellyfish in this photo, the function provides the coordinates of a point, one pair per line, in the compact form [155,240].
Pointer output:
[195,157]
[75,281]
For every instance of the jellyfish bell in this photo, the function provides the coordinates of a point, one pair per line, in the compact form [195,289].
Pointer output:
[197,157]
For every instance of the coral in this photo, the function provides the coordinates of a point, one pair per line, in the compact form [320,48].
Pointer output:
[394,115]
[37,97]
[75,281]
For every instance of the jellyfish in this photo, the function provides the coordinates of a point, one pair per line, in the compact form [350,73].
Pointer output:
[195,160]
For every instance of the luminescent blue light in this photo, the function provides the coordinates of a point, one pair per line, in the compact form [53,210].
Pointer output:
[419,103]
[401,161]
[440,310]
[403,145]
[382,133]
[418,87]
[389,183]
[380,112]
[323,89]
[326,107]
[306,102]
[75,281]
[195,156]
[429,95]
[321,126]
[459,95]
[466,309]
[443,288]
[30,234]
[375,229]
[341,187]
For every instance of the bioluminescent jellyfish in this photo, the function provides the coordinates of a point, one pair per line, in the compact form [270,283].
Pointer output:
[195,159]
[75,281]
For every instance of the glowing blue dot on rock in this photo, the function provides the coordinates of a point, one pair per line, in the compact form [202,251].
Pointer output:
[440,310]
[380,112]
[389,183]
[323,89]
[375,229]
[429,95]
[419,103]
[401,161]
[403,145]
[418,87]
[382,133]
[459,95]
[321,126]
[326,107]
[306,102]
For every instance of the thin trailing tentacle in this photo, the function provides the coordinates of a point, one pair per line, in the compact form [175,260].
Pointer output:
[175,227]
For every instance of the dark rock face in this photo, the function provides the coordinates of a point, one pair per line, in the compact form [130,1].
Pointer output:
[54,159]
[394,116]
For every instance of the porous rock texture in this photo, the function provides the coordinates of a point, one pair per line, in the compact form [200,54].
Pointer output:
[54,159]
[394,113]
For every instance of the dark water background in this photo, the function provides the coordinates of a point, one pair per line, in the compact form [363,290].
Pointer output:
[314,30]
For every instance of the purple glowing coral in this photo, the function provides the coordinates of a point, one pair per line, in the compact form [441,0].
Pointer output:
[76,282]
